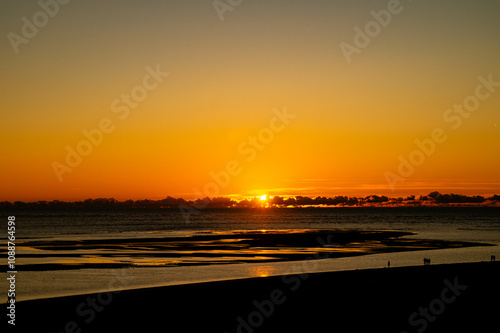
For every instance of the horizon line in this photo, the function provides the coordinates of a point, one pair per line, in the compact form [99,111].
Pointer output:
[433,198]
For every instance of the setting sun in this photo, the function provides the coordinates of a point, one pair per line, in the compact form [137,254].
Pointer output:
[223,154]
[254,122]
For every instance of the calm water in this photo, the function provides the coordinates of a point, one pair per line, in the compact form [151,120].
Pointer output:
[430,219]
[453,223]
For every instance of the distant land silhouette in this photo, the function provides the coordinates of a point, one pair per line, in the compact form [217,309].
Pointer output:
[432,199]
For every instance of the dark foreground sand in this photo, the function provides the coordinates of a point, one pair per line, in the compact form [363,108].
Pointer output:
[437,298]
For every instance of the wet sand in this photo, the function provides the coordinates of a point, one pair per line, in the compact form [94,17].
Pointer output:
[439,298]
[208,248]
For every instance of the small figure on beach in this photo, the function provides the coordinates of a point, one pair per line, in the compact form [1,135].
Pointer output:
[427,261]
[493,258]
[389,264]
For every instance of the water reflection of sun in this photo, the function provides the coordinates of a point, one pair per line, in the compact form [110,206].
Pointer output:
[261,271]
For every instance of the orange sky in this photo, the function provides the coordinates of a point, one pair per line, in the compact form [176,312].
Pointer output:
[220,109]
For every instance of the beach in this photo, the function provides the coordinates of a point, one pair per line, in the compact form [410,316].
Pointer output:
[237,166]
[54,267]
[434,298]
[257,271]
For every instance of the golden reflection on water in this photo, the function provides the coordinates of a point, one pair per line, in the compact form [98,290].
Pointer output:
[261,270]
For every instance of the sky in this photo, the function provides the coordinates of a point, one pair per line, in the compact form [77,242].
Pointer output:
[144,99]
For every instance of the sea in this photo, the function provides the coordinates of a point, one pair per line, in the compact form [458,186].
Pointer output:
[465,224]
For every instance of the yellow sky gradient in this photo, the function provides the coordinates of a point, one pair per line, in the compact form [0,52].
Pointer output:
[352,120]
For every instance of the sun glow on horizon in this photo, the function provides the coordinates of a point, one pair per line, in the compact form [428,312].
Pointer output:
[291,113]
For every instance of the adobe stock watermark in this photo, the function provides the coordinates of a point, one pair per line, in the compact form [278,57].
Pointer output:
[292,281]
[223,6]
[453,116]
[89,309]
[95,136]
[372,29]
[30,28]
[420,320]
[248,149]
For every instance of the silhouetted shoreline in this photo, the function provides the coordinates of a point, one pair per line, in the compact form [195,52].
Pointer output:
[189,206]
[458,298]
